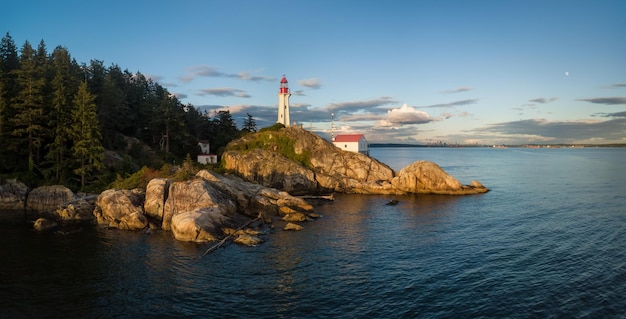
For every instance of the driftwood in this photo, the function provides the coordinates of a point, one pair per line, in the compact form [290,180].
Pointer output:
[330,197]
[223,241]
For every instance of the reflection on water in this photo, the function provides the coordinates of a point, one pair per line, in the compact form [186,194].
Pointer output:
[547,241]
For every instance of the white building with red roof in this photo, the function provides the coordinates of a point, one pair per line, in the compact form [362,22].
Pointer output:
[352,143]
[205,157]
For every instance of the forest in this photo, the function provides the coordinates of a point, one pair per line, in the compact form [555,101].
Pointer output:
[84,125]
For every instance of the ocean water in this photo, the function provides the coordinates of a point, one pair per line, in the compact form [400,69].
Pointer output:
[548,241]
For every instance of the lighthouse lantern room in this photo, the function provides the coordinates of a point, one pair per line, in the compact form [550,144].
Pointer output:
[283,102]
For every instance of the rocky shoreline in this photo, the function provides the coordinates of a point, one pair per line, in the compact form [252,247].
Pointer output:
[262,184]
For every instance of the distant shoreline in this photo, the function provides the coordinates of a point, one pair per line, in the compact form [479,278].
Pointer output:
[376,145]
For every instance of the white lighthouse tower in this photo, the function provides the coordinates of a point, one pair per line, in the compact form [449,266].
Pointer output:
[283,102]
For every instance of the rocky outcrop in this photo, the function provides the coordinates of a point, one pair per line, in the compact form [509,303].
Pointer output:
[423,177]
[252,199]
[157,191]
[13,195]
[190,195]
[80,210]
[330,169]
[43,224]
[200,209]
[48,198]
[292,227]
[199,225]
[121,208]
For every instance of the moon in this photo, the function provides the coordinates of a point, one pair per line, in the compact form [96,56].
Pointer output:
[566,73]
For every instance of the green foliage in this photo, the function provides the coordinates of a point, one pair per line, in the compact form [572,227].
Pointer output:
[28,120]
[249,124]
[85,135]
[274,128]
[139,179]
[40,112]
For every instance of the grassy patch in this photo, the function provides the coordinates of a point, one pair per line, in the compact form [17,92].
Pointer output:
[272,140]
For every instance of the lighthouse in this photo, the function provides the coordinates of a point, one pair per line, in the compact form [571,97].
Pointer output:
[283,102]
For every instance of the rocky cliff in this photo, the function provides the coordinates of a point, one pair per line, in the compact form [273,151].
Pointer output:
[300,162]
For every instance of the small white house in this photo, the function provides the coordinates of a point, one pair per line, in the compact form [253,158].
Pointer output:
[352,143]
[205,157]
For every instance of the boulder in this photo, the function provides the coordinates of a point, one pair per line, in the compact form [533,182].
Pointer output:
[77,210]
[248,240]
[121,208]
[193,194]
[295,217]
[13,195]
[253,198]
[199,225]
[292,226]
[157,192]
[10,201]
[424,177]
[43,224]
[46,199]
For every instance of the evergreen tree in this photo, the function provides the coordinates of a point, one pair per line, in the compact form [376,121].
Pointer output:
[249,124]
[113,112]
[64,87]
[9,62]
[85,132]
[223,130]
[29,106]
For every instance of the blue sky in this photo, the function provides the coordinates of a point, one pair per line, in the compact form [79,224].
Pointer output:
[488,72]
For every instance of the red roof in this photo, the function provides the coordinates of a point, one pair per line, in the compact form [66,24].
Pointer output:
[348,138]
[284,80]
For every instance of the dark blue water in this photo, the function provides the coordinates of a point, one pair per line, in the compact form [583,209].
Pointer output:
[548,241]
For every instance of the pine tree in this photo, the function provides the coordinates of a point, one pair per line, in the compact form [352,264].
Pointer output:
[29,106]
[9,62]
[249,124]
[64,87]
[85,134]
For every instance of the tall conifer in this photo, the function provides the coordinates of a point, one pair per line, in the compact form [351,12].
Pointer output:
[85,133]
[29,106]
[64,87]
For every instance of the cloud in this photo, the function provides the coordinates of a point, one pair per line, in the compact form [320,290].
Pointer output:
[208,71]
[619,85]
[359,117]
[405,115]
[606,100]
[310,83]
[359,105]
[254,78]
[459,89]
[180,96]
[455,103]
[543,100]
[297,92]
[224,92]
[617,114]
[154,78]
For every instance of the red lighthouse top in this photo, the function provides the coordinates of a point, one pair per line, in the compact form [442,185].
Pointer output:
[284,87]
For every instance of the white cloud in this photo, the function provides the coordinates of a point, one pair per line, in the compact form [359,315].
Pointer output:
[407,115]
[310,83]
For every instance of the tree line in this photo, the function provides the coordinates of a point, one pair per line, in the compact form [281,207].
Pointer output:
[79,124]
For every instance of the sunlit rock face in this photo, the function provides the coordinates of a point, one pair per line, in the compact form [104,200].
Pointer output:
[121,208]
[329,169]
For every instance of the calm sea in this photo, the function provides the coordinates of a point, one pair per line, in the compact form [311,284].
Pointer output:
[548,241]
